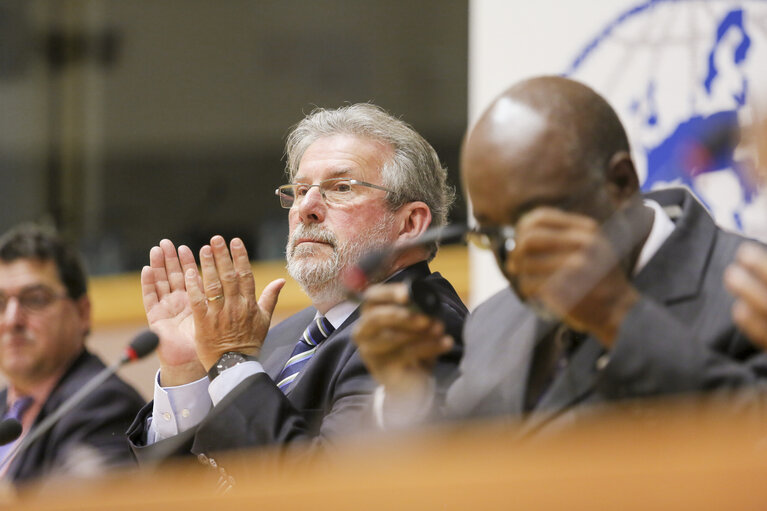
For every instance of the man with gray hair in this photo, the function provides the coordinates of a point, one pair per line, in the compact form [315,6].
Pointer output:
[360,180]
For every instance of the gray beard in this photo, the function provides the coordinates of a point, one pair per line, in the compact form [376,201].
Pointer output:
[319,274]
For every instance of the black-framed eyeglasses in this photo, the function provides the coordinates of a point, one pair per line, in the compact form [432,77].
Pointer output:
[32,299]
[500,239]
[339,190]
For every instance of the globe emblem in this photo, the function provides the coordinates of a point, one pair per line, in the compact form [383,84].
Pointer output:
[679,73]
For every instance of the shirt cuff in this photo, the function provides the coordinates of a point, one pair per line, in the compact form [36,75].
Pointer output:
[177,409]
[228,379]
[404,411]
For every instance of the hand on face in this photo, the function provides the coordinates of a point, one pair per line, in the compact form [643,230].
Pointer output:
[398,344]
[226,315]
[564,262]
[746,278]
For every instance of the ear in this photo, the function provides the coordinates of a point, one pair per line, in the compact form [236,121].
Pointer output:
[414,218]
[622,180]
[83,305]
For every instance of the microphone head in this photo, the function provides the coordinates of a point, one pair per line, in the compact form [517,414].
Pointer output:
[142,345]
[10,430]
[374,263]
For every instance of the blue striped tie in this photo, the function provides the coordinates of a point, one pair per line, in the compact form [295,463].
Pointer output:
[317,331]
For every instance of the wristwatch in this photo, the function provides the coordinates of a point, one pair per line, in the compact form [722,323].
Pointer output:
[227,360]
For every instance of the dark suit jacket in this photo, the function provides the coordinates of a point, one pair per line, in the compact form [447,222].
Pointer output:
[330,398]
[97,423]
[678,338]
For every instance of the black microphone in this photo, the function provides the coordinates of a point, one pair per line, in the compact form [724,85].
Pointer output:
[10,430]
[372,265]
[141,345]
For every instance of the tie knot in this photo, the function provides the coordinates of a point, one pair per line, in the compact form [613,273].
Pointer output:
[18,407]
[317,331]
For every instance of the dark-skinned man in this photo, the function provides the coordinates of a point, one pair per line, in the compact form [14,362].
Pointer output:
[613,295]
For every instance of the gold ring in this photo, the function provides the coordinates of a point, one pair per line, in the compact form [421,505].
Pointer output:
[217,297]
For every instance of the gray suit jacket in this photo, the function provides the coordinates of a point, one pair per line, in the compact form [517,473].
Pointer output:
[678,338]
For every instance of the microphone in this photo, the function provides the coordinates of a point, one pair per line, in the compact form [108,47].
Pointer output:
[10,430]
[373,264]
[141,345]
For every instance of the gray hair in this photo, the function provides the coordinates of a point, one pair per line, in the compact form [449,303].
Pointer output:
[414,173]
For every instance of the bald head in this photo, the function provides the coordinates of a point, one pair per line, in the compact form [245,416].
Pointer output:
[542,142]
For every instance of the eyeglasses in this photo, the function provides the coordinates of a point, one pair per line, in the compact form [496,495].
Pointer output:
[334,191]
[32,299]
[499,239]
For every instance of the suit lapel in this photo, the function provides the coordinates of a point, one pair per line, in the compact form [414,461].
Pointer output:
[282,339]
[673,274]
[676,271]
[571,386]
[505,333]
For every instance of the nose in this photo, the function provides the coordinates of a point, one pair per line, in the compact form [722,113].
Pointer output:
[312,206]
[13,313]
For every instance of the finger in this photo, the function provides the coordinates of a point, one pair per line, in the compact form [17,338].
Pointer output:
[754,258]
[242,267]
[387,293]
[197,299]
[393,317]
[186,258]
[747,288]
[555,218]
[429,350]
[750,322]
[420,353]
[172,265]
[268,299]
[376,336]
[157,263]
[537,239]
[224,267]
[148,290]
[212,285]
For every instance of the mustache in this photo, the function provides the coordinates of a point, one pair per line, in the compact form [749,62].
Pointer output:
[16,334]
[314,232]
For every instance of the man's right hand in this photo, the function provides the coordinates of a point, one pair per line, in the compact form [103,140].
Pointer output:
[169,313]
[398,344]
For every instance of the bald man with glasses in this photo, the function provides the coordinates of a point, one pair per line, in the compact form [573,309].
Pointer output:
[359,181]
[613,295]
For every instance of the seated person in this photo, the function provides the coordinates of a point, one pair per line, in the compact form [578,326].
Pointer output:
[612,294]
[360,180]
[46,316]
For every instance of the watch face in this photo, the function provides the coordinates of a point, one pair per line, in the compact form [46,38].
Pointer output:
[230,359]
[227,360]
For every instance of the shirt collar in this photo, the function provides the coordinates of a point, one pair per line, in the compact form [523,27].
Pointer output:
[339,313]
[662,227]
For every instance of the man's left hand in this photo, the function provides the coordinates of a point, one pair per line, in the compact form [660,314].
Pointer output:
[227,316]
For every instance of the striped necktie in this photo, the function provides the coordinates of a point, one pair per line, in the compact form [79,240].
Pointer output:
[317,331]
[15,411]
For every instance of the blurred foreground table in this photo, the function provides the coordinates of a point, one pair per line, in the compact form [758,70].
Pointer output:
[670,459]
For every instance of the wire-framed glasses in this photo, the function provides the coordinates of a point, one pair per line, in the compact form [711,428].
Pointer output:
[339,190]
[500,239]
[32,299]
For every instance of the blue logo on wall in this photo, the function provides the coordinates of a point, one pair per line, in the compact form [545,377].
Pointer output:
[678,73]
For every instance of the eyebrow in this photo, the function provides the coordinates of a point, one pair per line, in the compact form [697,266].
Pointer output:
[32,287]
[342,172]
